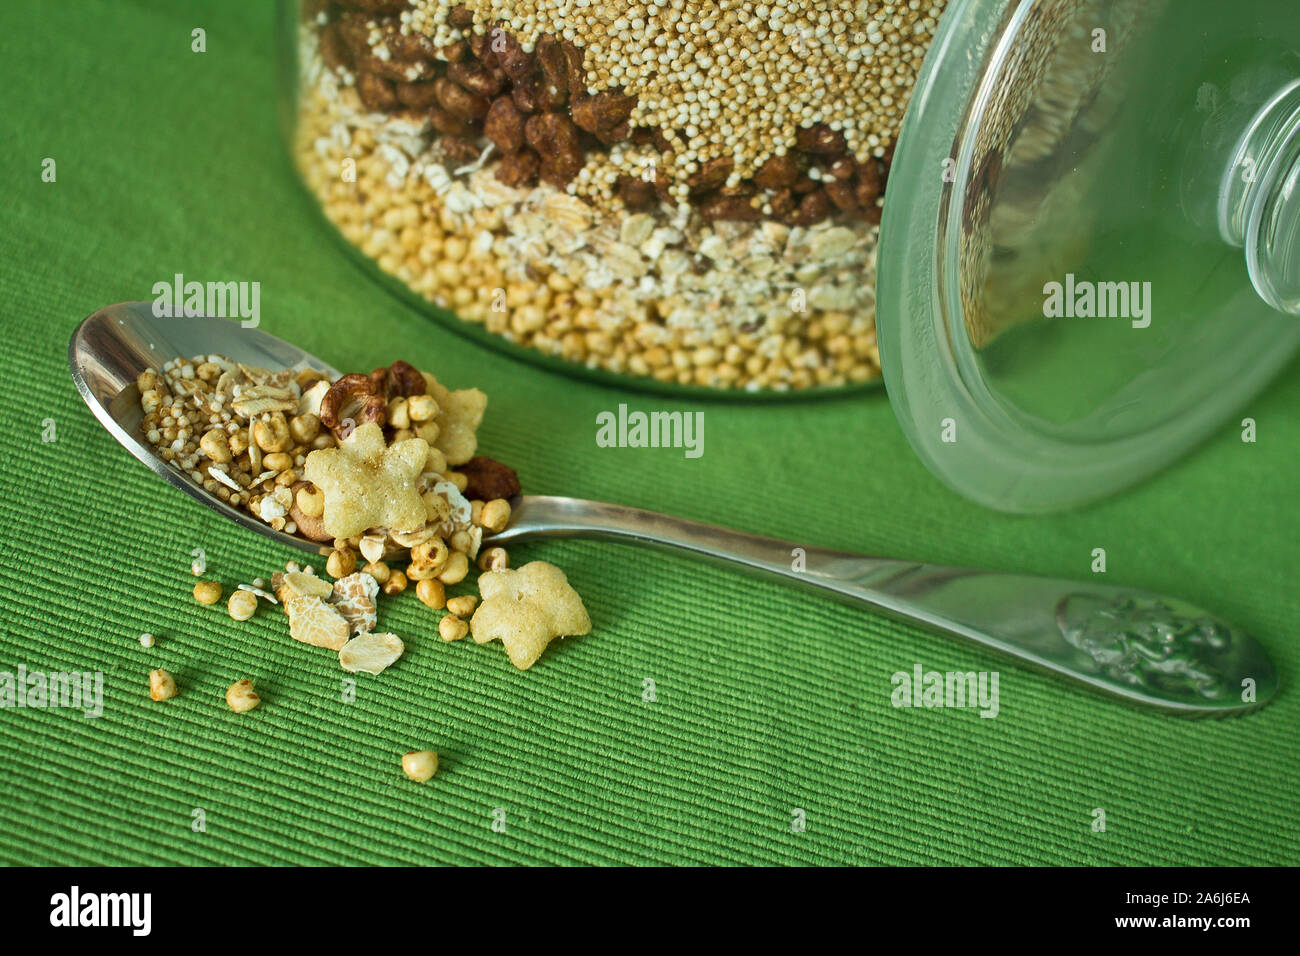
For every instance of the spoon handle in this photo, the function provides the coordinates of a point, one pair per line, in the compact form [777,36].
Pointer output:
[1146,648]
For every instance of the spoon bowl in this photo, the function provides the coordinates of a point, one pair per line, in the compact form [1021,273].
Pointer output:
[112,347]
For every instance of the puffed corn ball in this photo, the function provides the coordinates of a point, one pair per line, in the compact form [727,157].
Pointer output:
[452,628]
[341,563]
[304,428]
[462,606]
[432,593]
[420,765]
[241,697]
[428,559]
[398,417]
[215,445]
[272,434]
[493,559]
[277,461]
[495,515]
[207,592]
[310,501]
[421,408]
[454,571]
[162,686]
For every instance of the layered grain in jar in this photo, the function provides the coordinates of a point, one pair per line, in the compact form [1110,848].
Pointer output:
[686,191]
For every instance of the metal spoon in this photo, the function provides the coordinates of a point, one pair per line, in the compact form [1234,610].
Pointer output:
[1145,648]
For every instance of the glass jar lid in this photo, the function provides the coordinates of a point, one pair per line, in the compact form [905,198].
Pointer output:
[1090,252]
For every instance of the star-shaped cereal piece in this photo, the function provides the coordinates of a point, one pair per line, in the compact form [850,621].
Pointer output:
[526,609]
[368,484]
[314,622]
[459,415]
[354,598]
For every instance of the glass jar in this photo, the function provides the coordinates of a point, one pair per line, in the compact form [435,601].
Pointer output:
[1089,256]
[1108,268]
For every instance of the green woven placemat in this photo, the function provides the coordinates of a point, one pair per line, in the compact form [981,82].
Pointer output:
[766,701]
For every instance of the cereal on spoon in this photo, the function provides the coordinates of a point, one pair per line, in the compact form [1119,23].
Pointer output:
[381,465]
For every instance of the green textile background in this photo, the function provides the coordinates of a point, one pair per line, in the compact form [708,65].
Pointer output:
[768,699]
